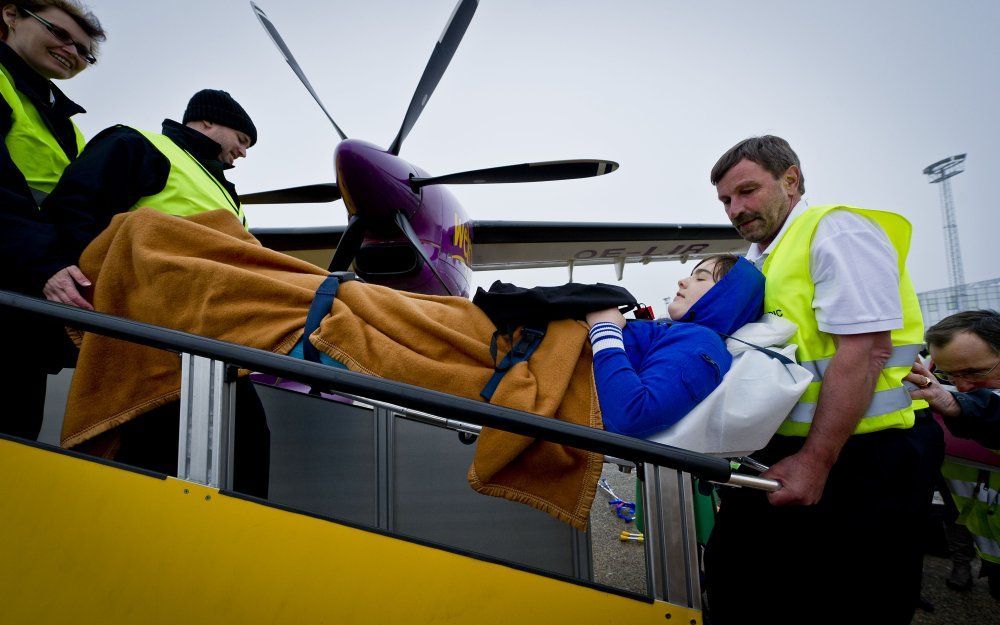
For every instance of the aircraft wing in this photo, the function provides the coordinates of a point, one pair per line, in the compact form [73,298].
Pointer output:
[313,244]
[528,244]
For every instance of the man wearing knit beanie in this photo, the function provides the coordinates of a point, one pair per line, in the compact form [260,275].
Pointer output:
[179,171]
[216,114]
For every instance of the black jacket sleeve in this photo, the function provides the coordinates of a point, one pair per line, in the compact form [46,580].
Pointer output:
[980,418]
[116,168]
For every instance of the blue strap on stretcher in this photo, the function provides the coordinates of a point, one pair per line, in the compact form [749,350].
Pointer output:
[320,308]
[783,359]
[531,337]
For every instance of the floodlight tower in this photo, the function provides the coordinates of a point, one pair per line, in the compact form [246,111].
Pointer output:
[940,172]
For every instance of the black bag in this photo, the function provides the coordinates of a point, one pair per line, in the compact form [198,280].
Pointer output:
[509,306]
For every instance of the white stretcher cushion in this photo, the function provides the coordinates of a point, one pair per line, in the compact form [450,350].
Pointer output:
[756,394]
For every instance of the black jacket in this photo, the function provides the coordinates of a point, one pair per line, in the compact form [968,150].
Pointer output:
[980,418]
[26,239]
[117,168]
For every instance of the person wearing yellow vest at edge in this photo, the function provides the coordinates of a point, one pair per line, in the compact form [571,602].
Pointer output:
[839,542]
[42,41]
[179,172]
[965,348]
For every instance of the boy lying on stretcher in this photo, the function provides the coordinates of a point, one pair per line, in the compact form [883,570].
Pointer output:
[206,275]
[650,374]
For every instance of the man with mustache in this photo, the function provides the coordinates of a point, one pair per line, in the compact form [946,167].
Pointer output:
[841,533]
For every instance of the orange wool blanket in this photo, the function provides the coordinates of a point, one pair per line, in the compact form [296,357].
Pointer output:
[206,275]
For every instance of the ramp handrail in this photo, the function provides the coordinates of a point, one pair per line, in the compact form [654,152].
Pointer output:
[437,403]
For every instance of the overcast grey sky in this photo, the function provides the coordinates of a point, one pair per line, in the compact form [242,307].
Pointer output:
[868,93]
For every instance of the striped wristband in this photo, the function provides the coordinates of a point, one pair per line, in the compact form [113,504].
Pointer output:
[606,335]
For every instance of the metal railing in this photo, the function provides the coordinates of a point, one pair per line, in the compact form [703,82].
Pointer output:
[422,399]
[205,448]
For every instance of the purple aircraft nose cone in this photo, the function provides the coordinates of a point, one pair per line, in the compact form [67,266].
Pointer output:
[374,181]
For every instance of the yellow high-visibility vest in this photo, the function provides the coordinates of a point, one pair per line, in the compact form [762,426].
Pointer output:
[190,188]
[977,496]
[790,291]
[32,147]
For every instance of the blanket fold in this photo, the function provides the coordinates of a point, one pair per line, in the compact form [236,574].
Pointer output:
[206,275]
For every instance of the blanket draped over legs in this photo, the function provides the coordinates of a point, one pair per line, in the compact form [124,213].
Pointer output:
[206,275]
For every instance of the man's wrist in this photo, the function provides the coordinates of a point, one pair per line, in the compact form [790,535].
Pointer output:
[820,454]
[949,406]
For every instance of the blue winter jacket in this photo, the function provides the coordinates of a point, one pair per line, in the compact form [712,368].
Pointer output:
[667,368]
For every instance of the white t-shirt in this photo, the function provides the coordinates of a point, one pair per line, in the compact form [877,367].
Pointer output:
[854,269]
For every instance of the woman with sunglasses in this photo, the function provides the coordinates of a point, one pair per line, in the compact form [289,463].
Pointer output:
[42,41]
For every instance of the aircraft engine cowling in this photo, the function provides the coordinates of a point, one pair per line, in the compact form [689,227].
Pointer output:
[374,184]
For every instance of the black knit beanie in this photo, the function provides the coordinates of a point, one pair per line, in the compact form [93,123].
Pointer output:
[218,107]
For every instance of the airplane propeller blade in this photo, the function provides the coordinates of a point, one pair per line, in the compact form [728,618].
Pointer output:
[324,192]
[350,243]
[436,66]
[407,229]
[285,52]
[527,172]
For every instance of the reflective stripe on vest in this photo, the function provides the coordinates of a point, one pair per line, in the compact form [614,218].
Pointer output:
[190,188]
[32,147]
[790,290]
[902,356]
[889,400]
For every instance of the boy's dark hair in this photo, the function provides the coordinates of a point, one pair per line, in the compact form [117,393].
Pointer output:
[723,264]
[770,152]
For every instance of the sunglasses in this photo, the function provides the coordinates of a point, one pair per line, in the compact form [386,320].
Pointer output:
[64,38]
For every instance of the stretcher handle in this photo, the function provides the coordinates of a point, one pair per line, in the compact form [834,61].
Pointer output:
[752,481]
[735,479]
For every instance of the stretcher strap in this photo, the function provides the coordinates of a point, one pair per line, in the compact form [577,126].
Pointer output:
[320,308]
[783,359]
[529,340]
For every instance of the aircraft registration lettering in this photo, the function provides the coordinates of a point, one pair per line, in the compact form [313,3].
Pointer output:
[614,252]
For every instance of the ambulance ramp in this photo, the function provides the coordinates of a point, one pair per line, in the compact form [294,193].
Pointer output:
[87,542]
[84,540]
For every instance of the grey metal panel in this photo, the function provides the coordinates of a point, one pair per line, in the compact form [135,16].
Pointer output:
[433,501]
[671,545]
[56,393]
[205,421]
[322,455]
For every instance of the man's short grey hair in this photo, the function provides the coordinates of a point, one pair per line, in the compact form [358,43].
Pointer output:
[770,152]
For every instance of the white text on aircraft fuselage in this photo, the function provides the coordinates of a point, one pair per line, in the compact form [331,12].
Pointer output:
[615,252]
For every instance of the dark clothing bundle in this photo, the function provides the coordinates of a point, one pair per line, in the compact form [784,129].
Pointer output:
[117,168]
[980,418]
[509,306]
